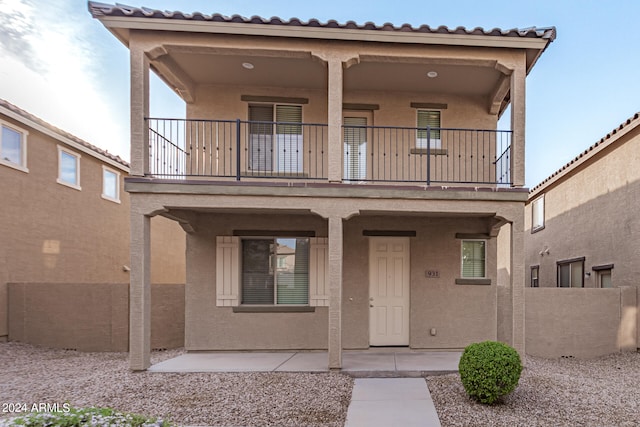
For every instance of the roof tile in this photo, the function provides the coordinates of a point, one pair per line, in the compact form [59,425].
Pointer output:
[19,111]
[102,9]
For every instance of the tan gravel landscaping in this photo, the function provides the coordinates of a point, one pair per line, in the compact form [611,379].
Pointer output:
[562,392]
[34,375]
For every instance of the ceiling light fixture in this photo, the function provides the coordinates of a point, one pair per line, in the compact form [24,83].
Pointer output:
[432,74]
[247,65]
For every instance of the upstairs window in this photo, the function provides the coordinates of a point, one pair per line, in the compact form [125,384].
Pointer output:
[428,119]
[275,142]
[473,259]
[537,214]
[110,185]
[68,168]
[13,147]
[275,271]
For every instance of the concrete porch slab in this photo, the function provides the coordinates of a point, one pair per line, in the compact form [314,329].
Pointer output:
[435,361]
[223,362]
[357,363]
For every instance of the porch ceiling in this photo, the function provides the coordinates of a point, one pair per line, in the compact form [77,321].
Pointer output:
[185,68]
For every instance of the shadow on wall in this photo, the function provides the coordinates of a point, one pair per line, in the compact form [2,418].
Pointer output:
[91,316]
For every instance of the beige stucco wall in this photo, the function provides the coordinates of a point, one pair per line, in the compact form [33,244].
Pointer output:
[224,103]
[90,316]
[580,323]
[461,314]
[52,233]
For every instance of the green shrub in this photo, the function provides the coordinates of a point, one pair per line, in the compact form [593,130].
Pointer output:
[489,370]
[72,417]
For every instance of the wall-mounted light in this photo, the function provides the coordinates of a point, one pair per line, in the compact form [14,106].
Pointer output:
[248,65]
[432,74]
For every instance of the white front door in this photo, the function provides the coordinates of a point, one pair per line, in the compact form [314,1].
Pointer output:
[389,291]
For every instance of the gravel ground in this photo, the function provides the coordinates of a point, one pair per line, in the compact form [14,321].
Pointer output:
[563,392]
[31,375]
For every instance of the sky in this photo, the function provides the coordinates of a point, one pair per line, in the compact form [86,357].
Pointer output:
[60,64]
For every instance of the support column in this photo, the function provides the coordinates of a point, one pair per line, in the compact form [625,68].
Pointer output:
[335,119]
[140,291]
[139,110]
[335,291]
[517,284]
[518,100]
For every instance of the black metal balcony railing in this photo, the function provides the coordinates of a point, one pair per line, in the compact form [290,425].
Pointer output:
[239,149]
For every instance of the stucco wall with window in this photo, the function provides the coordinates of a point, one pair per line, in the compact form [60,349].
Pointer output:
[224,102]
[53,232]
[591,213]
[460,314]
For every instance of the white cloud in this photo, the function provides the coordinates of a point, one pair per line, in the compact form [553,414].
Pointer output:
[50,71]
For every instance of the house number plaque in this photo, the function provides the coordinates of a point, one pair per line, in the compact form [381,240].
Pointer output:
[432,274]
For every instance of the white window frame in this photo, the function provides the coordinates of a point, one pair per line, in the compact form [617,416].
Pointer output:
[22,166]
[77,156]
[537,214]
[435,143]
[462,258]
[105,196]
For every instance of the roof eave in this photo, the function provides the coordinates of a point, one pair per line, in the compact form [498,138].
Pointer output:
[62,138]
[604,144]
[113,23]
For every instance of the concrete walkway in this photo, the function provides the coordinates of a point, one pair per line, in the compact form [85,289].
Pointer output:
[387,402]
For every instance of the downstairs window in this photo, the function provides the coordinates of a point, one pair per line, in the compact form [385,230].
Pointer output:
[275,271]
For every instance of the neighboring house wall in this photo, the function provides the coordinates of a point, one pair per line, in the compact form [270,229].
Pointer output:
[590,217]
[591,211]
[56,233]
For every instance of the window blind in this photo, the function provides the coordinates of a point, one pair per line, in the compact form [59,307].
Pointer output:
[428,118]
[355,162]
[473,259]
[289,114]
[293,276]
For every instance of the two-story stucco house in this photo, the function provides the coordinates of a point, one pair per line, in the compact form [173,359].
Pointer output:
[369,153]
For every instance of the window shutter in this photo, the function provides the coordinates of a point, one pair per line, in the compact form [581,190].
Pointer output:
[319,272]
[227,270]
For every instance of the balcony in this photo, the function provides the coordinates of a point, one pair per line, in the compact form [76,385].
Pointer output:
[245,150]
